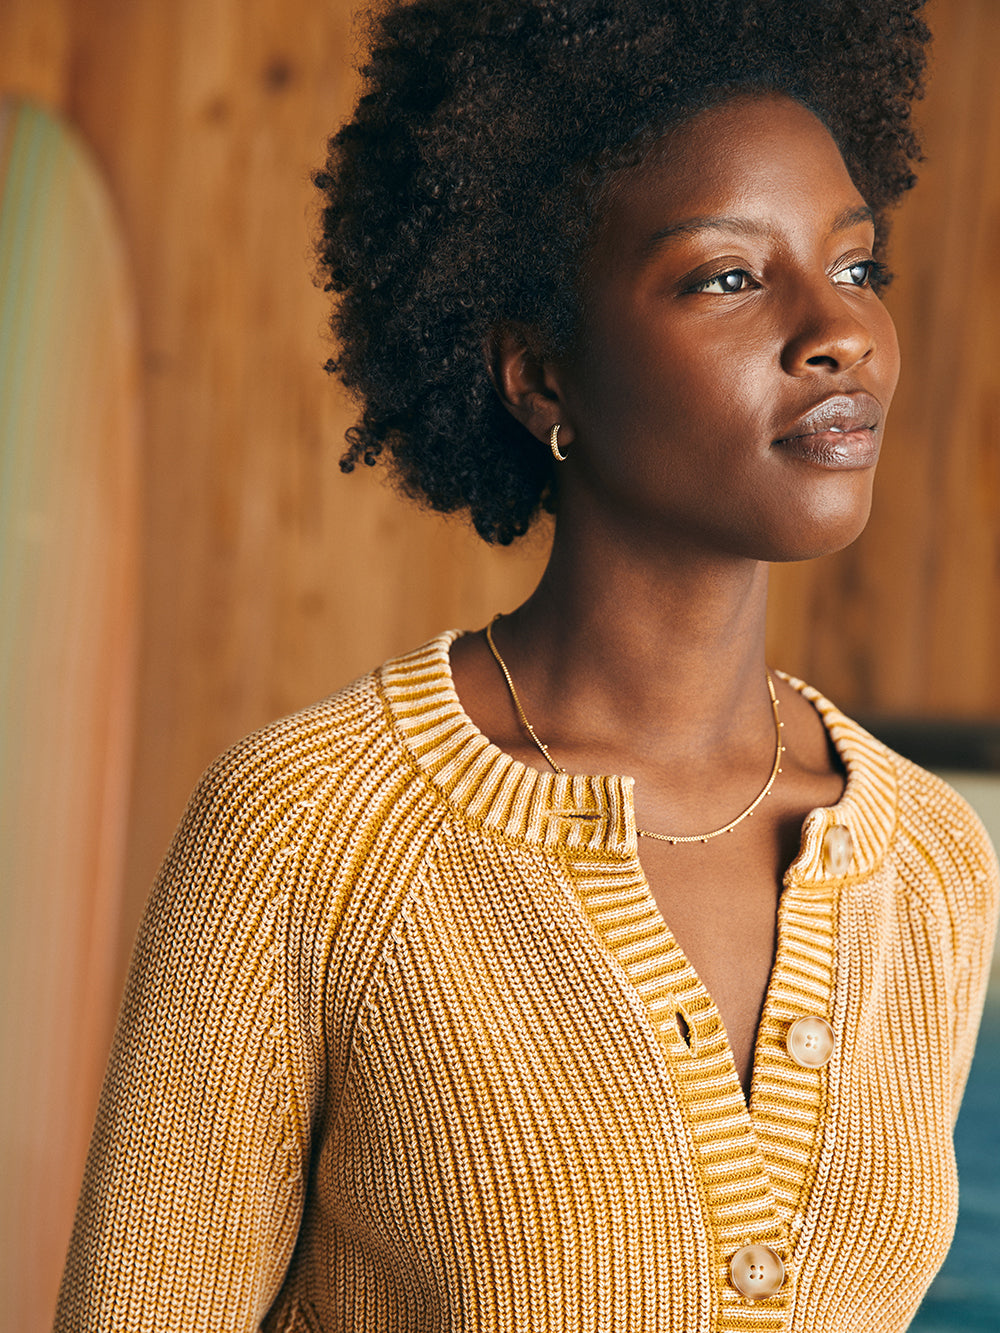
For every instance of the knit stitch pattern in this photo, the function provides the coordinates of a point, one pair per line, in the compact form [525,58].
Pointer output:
[400,1052]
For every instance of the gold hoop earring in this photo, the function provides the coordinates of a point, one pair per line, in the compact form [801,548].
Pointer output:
[554,444]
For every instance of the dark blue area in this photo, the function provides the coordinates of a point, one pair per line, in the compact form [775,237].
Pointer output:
[965,1297]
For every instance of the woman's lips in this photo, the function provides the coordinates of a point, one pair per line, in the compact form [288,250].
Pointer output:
[842,432]
[834,448]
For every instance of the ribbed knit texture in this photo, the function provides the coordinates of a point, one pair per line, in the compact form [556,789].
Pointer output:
[399,1052]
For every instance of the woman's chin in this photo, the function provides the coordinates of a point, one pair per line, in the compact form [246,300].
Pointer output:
[834,517]
[820,539]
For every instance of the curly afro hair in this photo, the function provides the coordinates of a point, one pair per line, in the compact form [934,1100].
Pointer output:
[460,198]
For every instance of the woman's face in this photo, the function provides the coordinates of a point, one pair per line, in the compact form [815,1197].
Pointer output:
[729,386]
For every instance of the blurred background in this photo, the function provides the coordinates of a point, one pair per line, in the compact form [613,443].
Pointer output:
[182,560]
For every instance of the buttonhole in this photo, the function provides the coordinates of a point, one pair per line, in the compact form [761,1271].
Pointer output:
[684,1028]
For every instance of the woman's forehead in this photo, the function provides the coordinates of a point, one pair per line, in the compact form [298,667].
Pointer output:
[738,162]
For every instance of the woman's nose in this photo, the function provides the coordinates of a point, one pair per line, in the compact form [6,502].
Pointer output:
[828,336]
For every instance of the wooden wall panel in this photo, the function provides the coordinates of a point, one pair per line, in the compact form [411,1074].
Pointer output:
[35,39]
[270,579]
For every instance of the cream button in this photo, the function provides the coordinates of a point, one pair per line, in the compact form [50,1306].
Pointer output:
[756,1271]
[838,849]
[810,1041]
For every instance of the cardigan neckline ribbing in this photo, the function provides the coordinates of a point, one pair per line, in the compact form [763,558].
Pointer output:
[585,813]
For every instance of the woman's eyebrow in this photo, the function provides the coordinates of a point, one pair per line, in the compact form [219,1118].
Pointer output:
[705,223]
[853,217]
[850,217]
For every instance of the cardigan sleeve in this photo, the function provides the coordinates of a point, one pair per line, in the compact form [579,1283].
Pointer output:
[194,1183]
[978,921]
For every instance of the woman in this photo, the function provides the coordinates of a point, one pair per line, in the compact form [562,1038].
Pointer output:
[429,1029]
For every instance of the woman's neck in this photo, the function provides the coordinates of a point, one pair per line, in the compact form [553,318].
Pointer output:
[668,654]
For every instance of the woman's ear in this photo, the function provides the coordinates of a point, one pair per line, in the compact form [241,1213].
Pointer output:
[526,382]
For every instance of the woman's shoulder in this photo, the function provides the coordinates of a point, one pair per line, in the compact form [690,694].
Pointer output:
[258,781]
[943,830]
[911,816]
[280,754]
[332,732]
[312,768]
[293,840]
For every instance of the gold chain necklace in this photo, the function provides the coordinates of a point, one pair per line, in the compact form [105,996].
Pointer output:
[672,838]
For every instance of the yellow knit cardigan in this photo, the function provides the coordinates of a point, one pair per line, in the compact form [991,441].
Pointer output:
[399,1052]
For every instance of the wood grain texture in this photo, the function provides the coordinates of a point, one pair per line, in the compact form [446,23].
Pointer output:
[35,43]
[270,579]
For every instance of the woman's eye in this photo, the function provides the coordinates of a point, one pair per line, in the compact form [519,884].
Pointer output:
[862,273]
[733,280]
